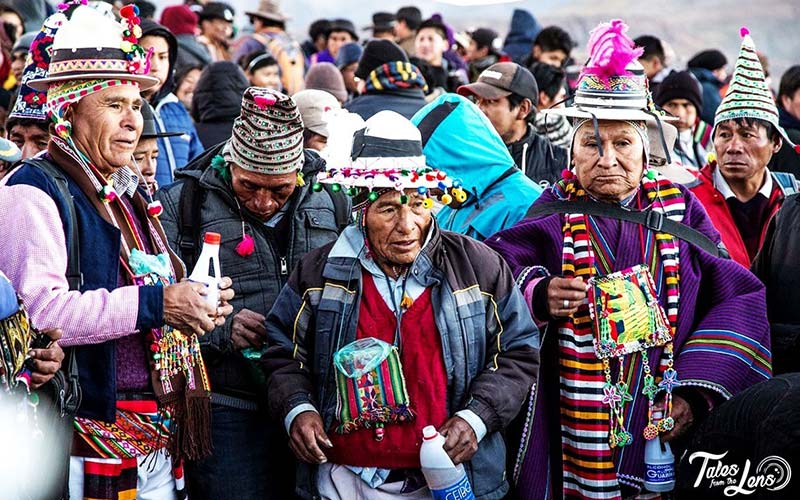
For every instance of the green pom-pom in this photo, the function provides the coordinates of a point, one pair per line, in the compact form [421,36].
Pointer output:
[373,196]
[651,174]
[336,188]
[351,191]
[221,168]
[316,187]
[403,199]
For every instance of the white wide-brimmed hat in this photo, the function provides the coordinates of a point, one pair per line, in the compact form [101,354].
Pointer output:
[386,154]
[92,46]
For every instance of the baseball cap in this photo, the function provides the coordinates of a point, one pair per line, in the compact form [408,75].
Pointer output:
[501,80]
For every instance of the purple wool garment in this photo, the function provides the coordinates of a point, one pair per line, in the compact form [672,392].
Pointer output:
[133,357]
[720,303]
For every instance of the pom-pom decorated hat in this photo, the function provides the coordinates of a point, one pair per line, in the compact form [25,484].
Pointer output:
[386,154]
[92,46]
[748,95]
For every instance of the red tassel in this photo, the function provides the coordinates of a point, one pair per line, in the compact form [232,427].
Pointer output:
[797,149]
[154,208]
[262,101]
[246,247]
[567,174]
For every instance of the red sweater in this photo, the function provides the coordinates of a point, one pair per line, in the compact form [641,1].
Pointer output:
[426,382]
[720,214]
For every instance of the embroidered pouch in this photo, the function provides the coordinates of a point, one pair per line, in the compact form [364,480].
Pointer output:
[626,315]
[370,387]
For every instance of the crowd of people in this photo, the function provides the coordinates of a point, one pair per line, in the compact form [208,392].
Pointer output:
[416,226]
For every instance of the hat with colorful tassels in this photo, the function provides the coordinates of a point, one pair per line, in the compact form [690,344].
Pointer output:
[748,95]
[613,85]
[385,155]
[91,46]
[30,103]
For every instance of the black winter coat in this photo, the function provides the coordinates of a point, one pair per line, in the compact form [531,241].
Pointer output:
[778,266]
[309,222]
[217,101]
[404,101]
[538,158]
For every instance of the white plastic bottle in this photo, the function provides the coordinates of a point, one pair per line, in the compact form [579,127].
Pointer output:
[659,466]
[445,480]
[208,261]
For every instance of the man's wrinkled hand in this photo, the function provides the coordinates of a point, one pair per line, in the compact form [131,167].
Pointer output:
[45,362]
[681,414]
[460,442]
[305,437]
[248,330]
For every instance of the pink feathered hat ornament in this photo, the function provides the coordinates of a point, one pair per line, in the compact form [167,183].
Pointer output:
[611,50]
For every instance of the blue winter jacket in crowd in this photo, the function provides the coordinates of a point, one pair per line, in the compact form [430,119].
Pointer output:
[459,139]
[177,151]
[519,41]
[174,152]
[711,97]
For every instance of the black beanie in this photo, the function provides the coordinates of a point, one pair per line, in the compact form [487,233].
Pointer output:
[377,53]
[679,85]
[710,59]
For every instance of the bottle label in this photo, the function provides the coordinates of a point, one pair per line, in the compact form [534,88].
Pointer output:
[660,473]
[461,490]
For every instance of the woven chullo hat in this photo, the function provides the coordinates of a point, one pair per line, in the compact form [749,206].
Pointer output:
[748,95]
[268,134]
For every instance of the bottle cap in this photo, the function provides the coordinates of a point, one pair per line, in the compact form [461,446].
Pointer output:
[212,238]
[429,432]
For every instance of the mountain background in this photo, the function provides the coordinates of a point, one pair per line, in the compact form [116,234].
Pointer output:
[688,26]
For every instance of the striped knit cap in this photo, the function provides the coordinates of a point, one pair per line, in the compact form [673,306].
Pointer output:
[748,95]
[268,134]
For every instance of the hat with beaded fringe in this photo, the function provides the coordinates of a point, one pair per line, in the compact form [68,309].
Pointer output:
[268,134]
[386,155]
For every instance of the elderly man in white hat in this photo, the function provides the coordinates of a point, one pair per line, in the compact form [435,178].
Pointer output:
[438,310]
[86,253]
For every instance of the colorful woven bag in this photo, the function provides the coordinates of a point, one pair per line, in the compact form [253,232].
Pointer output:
[370,387]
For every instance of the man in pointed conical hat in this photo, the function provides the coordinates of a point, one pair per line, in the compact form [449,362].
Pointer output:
[738,191]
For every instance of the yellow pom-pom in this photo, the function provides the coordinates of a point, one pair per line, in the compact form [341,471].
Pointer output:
[126,46]
[137,31]
[460,195]
[711,157]
[301,181]
[447,199]
[428,203]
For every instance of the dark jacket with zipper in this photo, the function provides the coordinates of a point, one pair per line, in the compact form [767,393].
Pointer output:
[778,266]
[490,345]
[403,101]
[308,223]
[538,158]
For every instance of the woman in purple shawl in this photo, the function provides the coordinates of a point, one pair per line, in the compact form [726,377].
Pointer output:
[645,332]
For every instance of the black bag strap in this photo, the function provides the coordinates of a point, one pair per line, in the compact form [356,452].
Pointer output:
[650,219]
[341,213]
[70,396]
[189,205]
[74,275]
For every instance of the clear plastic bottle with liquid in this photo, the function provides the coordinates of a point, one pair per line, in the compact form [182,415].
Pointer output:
[445,480]
[208,263]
